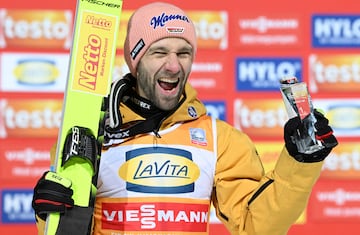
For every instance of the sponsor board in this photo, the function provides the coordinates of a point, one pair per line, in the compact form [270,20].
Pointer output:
[209,72]
[120,67]
[260,118]
[216,109]
[33,72]
[16,206]
[343,115]
[124,19]
[335,201]
[211,28]
[280,30]
[29,118]
[343,162]
[335,30]
[24,160]
[334,73]
[27,28]
[263,74]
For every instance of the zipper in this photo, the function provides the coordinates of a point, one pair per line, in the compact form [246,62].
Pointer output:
[260,190]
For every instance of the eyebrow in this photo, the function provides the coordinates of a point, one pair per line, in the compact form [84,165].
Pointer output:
[162,48]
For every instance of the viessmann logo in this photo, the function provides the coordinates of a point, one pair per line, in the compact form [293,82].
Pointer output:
[159,170]
[157,217]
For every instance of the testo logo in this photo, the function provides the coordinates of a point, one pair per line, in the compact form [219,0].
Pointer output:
[30,118]
[334,73]
[211,28]
[260,118]
[335,30]
[264,73]
[343,162]
[35,29]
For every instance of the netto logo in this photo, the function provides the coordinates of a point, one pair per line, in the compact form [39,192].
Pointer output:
[98,22]
[92,57]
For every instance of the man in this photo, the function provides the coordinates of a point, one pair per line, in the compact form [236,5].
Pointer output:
[174,161]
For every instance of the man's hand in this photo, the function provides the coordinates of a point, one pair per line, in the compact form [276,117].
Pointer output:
[323,133]
[52,193]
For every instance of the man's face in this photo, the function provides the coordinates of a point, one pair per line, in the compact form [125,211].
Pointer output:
[163,70]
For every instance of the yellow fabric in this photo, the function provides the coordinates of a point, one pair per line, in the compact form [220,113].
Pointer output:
[239,173]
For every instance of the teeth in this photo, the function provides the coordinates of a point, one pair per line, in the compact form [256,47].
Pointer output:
[167,80]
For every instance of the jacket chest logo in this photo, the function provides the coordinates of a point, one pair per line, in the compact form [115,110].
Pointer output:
[159,170]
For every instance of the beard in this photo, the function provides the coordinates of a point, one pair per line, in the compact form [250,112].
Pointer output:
[148,87]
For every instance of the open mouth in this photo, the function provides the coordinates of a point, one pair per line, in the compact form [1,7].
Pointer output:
[168,84]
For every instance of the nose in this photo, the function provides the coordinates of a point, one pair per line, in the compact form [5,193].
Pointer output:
[172,63]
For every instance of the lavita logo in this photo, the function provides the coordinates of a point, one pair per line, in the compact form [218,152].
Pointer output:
[263,74]
[16,206]
[336,31]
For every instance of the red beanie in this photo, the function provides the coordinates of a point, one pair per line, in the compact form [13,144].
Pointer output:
[151,23]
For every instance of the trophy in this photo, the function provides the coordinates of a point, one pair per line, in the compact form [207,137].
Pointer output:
[298,102]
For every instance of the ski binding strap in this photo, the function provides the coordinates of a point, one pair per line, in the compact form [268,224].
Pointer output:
[80,142]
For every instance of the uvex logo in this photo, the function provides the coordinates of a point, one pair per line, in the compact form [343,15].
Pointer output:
[159,170]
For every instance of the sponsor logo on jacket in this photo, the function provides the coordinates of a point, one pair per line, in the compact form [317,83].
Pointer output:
[159,170]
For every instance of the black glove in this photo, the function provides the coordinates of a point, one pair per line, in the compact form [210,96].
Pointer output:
[323,133]
[52,193]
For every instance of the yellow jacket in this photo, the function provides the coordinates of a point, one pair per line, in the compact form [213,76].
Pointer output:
[247,201]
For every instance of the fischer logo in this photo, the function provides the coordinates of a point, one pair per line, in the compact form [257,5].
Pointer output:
[264,73]
[92,57]
[336,30]
[262,24]
[102,3]
[155,216]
